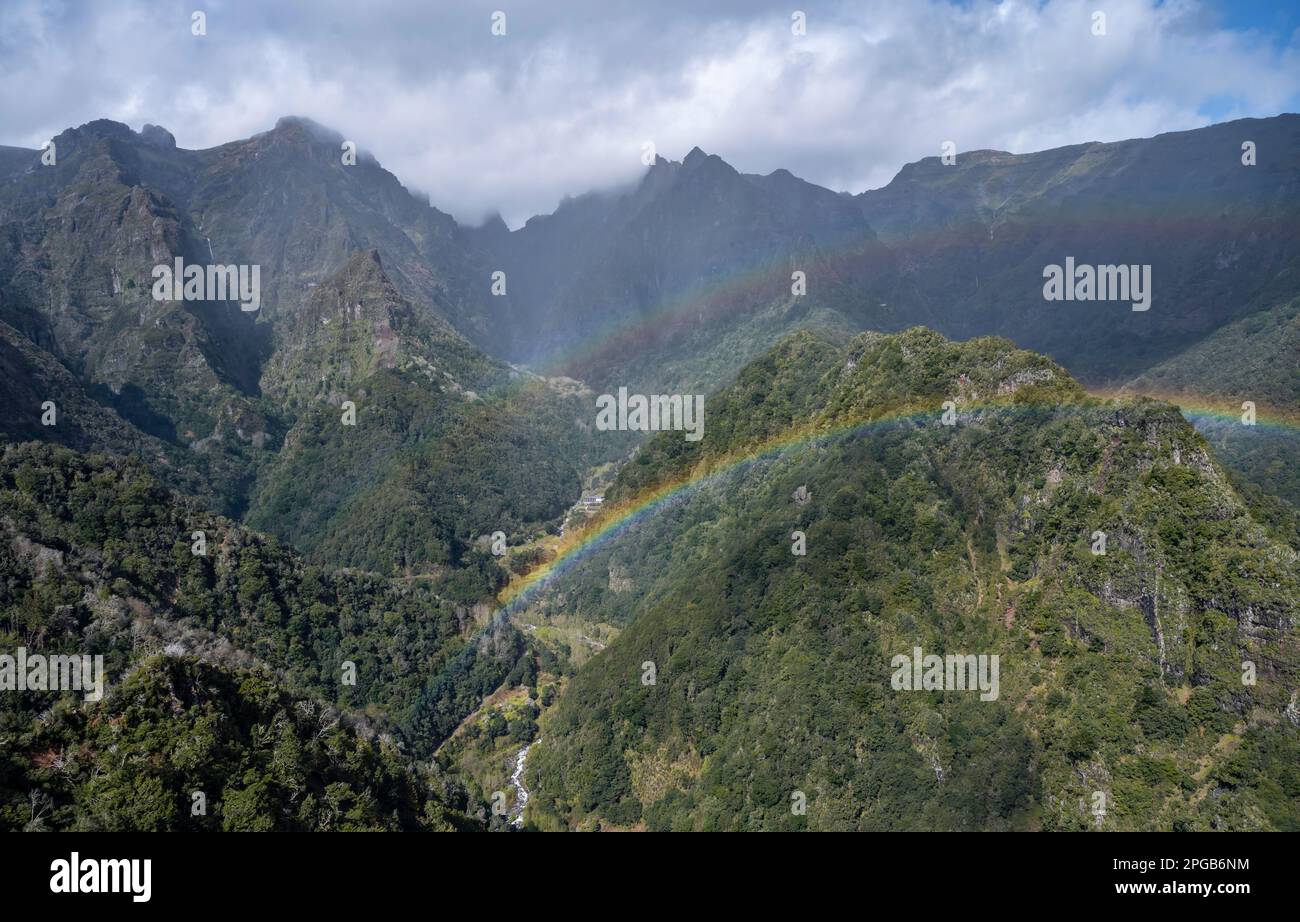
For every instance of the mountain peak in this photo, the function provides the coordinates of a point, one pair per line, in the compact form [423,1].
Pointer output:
[298,126]
[710,166]
[494,225]
[695,157]
[158,136]
[101,128]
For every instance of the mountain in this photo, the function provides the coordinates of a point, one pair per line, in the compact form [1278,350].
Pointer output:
[668,285]
[1256,360]
[78,243]
[1252,358]
[349,651]
[50,404]
[674,282]
[447,445]
[285,199]
[749,681]
[685,275]
[972,239]
[356,323]
[367,297]
[82,238]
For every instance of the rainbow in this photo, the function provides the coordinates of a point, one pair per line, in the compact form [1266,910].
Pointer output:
[1216,408]
[644,504]
[740,290]
[769,281]
[626,514]
[620,517]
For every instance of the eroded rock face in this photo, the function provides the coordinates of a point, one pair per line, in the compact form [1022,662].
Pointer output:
[351,325]
[620,580]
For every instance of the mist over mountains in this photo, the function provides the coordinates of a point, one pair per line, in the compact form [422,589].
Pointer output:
[671,284]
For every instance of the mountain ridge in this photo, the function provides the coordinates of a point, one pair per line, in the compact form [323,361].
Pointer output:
[381,423]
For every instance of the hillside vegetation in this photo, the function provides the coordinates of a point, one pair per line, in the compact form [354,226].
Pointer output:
[1121,673]
[300,680]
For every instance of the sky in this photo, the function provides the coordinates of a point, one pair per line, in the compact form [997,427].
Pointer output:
[568,99]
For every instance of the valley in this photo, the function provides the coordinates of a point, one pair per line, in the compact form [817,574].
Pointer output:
[379,548]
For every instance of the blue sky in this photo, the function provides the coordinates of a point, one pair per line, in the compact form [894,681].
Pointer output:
[570,96]
[1277,19]
[1281,17]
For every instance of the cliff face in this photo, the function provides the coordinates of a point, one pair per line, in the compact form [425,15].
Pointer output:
[365,291]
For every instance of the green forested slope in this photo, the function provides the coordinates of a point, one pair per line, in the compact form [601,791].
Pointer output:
[1120,674]
[259,759]
[1256,358]
[423,474]
[98,557]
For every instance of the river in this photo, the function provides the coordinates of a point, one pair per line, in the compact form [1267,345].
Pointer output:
[521,792]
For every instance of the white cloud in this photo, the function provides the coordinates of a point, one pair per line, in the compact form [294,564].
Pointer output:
[563,102]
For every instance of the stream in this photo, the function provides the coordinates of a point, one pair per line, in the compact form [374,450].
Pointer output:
[517,782]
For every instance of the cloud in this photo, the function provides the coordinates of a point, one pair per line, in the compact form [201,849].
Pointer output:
[564,101]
